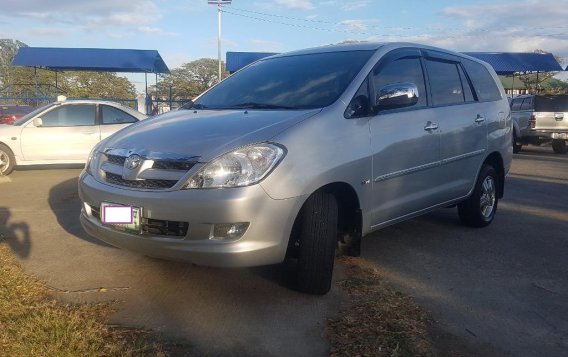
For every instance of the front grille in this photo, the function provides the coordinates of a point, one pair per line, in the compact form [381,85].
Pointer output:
[154,226]
[144,184]
[115,159]
[173,165]
[164,228]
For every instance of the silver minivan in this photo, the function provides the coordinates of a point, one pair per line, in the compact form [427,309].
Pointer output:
[304,152]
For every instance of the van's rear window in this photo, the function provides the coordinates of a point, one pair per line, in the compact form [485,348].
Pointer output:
[550,103]
[289,82]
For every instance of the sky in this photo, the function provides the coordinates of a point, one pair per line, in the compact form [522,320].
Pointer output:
[183,31]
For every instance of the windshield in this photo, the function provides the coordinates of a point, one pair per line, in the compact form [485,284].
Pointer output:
[290,82]
[552,103]
[28,116]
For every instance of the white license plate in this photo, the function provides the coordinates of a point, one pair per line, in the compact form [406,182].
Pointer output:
[559,136]
[121,217]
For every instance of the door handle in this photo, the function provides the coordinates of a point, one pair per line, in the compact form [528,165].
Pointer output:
[430,126]
[479,119]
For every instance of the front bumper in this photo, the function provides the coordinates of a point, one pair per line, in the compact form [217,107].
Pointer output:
[265,241]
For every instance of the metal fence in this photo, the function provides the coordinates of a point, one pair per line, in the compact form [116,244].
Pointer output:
[41,101]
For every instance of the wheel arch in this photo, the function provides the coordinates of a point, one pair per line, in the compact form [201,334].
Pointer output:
[496,161]
[350,219]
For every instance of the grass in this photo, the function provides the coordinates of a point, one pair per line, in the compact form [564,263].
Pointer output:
[32,323]
[377,321]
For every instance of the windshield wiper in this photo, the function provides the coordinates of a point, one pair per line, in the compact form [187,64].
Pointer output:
[191,105]
[254,105]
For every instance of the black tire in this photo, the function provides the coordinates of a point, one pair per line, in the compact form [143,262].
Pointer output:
[480,208]
[318,240]
[559,146]
[516,146]
[7,160]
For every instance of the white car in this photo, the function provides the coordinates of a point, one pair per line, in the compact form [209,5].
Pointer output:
[63,132]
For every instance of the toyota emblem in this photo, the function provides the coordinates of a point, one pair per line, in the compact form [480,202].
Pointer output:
[133,161]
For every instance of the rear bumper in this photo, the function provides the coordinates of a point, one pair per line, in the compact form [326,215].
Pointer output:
[550,134]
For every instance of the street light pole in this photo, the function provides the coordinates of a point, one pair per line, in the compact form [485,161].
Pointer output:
[219,4]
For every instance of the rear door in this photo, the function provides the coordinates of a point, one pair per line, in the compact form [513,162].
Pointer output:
[462,120]
[68,133]
[113,119]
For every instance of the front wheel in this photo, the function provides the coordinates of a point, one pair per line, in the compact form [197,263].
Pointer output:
[480,208]
[7,160]
[559,146]
[318,240]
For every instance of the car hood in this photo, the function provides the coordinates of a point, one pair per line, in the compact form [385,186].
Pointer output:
[207,133]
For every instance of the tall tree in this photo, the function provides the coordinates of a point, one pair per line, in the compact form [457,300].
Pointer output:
[190,80]
[532,81]
[98,85]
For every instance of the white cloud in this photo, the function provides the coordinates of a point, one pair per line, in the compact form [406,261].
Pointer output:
[355,5]
[156,31]
[354,25]
[89,16]
[504,27]
[295,4]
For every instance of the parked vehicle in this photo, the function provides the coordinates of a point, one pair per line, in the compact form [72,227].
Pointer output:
[303,152]
[539,119]
[63,132]
[10,113]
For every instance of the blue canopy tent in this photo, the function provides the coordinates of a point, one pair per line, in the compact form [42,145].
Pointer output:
[238,60]
[92,59]
[510,63]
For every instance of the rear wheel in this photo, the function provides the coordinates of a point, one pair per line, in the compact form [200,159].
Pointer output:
[516,146]
[7,160]
[318,240]
[479,209]
[559,146]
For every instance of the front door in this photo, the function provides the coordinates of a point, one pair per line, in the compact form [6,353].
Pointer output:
[405,144]
[68,133]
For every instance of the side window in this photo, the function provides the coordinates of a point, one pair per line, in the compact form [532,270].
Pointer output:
[527,104]
[70,115]
[445,83]
[467,93]
[484,84]
[360,104]
[516,105]
[112,115]
[399,71]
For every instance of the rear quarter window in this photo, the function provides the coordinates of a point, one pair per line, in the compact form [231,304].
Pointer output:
[485,87]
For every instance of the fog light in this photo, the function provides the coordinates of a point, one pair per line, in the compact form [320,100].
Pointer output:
[230,231]
[87,209]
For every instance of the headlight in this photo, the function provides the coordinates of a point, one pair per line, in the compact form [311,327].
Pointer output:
[242,167]
[93,158]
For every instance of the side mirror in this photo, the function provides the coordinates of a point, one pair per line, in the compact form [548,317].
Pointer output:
[397,95]
[38,122]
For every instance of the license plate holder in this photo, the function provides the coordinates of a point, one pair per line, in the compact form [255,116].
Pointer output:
[121,217]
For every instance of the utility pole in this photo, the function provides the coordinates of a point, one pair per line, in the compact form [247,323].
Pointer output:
[219,4]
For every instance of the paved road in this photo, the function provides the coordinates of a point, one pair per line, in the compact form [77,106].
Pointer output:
[505,285]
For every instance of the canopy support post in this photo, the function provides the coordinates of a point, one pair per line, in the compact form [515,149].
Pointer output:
[513,87]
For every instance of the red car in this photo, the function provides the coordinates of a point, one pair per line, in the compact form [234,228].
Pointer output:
[10,113]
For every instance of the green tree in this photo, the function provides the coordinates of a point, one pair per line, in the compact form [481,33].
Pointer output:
[534,82]
[190,80]
[98,85]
